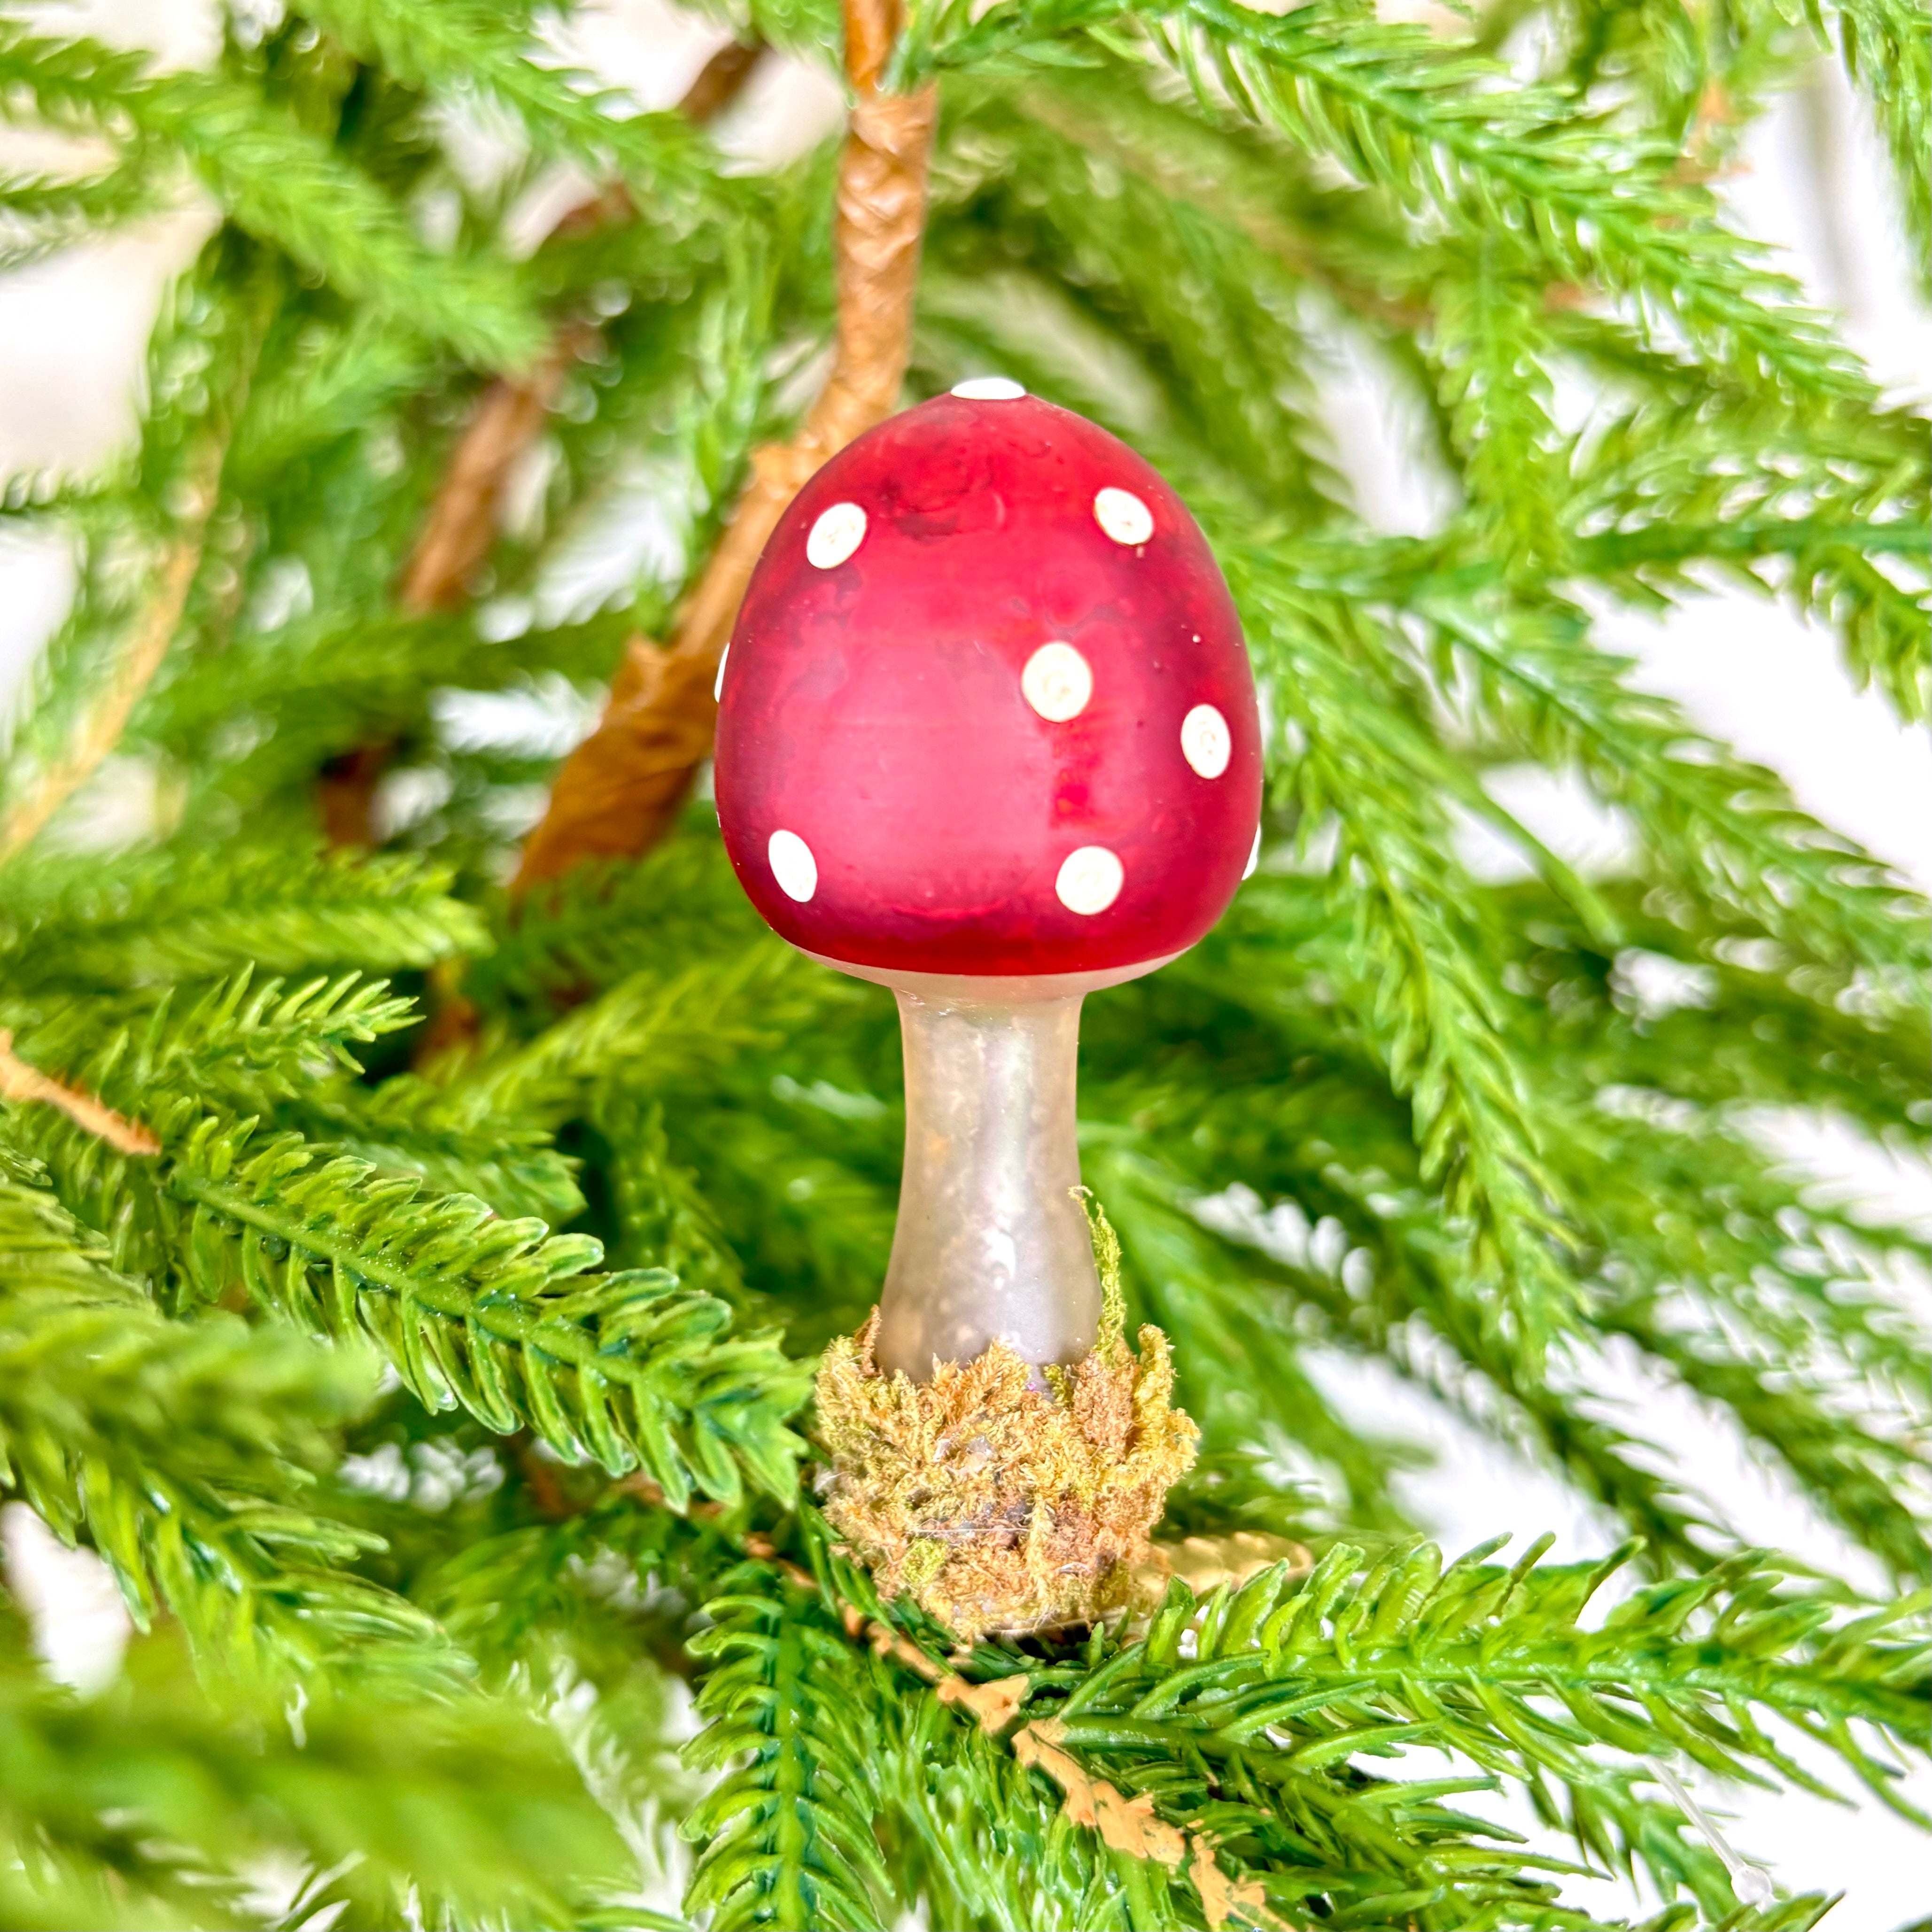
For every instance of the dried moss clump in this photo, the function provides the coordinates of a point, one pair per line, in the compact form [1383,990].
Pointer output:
[995,1505]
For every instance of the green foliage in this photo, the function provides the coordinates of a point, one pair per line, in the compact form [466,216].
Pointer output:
[1256,1734]
[182,914]
[185,1453]
[1889,50]
[280,183]
[787,1834]
[43,213]
[149,1794]
[336,1383]
[425,43]
[496,1315]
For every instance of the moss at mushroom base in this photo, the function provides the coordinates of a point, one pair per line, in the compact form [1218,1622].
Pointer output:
[995,1505]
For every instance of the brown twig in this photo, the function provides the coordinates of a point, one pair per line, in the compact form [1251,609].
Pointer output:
[345,793]
[457,534]
[461,525]
[466,512]
[619,791]
[141,652]
[1128,1824]
[720,81]
[21,1083]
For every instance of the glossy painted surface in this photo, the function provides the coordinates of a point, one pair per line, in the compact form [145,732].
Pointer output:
[876,708]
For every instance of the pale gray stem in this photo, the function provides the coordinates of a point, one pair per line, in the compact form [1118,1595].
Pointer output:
[991,1244]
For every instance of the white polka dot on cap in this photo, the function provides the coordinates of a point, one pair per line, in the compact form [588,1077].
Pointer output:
[1090,880]
[792,866]
[1056,682]
[1123,517]
[989,389]
[839,532]
[1205,741]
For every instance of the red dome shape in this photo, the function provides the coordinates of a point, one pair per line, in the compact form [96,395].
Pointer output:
[987,709]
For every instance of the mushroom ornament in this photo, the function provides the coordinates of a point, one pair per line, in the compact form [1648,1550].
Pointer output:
[988,736]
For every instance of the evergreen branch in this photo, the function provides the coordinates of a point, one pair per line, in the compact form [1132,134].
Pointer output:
[1687,500]
[1887,48]
[329,387]
[40,214]
[495,1315]
[1416,1313]
[1825,1310]
[180,914]
[467,44]
[286,188]
[285,1057]
[1530,683]
[1653,493]
[1340,241]
[1415,975]
[972,1832]
[650,1029]
[280,183]
[1402,112]
[402,1124]
[504,1597]
[252,1043]
[661,1208]
[1860,1478]
[367,672]
[787,1834]
[461,523]
[1489,352]
[136,662]
[1784,1386]
[1207,306]
[812,1214]
[949,1783]
[1285,1690]
[201,362]
[1801,1346]
[1731,827]
[184,1450]
[1441,127]
[472,1807]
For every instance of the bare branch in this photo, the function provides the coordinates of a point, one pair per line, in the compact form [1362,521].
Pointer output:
[132,670]
[461,524]
[20,1083]
[466,512]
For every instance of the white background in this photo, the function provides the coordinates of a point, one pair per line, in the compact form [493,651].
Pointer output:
[71,335]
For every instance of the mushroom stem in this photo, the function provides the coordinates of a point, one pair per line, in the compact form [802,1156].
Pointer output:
[991,1244]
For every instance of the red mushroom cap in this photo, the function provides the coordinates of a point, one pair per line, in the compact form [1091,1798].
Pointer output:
[986,709]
